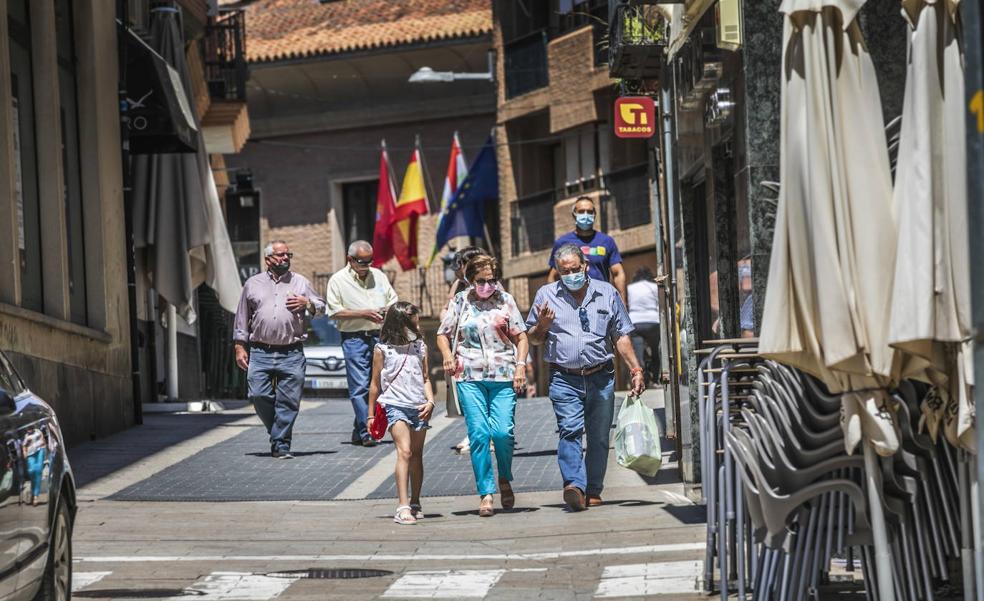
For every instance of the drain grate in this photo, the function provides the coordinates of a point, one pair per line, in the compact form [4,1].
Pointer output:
[329,574]
[133,593]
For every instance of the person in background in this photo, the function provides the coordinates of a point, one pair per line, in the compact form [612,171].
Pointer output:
[604,260]
[400,382]
[577,320]
[460,284]
[483,341]
[644,314]
[357,297]
[746,317]
[269,334]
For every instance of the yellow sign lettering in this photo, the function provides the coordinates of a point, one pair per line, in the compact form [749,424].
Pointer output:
[977,107]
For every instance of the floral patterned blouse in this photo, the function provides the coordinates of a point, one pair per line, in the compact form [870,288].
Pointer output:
[483,348]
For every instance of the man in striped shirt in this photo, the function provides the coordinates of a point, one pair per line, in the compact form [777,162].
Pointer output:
[582,322]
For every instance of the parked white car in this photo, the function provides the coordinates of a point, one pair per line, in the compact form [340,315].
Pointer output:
[325,372]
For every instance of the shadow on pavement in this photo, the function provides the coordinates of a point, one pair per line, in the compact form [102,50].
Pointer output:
[687,514]
[294,453]
[97,459]
[546,453]
[138,593]
[474,512]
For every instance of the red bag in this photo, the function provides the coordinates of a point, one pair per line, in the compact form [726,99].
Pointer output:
[379,424]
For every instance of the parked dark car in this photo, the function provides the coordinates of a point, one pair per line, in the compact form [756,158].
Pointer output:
[37,496]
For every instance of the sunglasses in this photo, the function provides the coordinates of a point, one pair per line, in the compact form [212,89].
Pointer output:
[363,262]
[482,281]
[283,255]
[582,313]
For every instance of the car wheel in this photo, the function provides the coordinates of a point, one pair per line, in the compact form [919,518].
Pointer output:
[57,582]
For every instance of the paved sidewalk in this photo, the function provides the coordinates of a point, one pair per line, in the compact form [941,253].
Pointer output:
[645,542]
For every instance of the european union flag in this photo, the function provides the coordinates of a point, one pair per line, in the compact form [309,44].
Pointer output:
[465,214]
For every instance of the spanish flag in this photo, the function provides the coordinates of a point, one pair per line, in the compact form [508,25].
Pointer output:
[409,207]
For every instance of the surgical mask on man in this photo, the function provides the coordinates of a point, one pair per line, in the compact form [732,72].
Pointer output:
[574,281]
[280,268]
[484,291]
[585,221]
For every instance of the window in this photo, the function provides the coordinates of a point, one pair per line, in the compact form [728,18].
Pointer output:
[9,380]
[25,156]
[524,36]
[67,90]
[580,160]
[359,210]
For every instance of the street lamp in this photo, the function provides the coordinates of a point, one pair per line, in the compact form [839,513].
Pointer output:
[428,75]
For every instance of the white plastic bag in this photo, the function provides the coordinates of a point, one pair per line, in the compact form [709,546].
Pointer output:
[637,438]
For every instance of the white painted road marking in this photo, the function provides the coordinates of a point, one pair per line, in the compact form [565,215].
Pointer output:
[80,580]
[445,584]
[242,586]
[645,579]
[670,548]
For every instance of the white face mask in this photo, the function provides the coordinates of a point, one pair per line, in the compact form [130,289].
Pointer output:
[411,336]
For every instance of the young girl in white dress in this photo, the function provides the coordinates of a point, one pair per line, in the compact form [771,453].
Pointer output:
[401,385]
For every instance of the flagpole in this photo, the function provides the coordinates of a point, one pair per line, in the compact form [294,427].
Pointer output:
[426,172]
[485,222]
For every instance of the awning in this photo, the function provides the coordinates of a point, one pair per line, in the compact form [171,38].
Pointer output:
[683,20]
[160,117]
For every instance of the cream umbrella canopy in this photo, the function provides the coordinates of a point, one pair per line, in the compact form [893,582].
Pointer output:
[931,299]
[827,305]
[833,256]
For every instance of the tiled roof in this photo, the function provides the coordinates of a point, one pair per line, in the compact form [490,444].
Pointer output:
[284,29]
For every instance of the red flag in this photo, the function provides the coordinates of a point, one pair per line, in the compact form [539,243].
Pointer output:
[382,237]
[409,207]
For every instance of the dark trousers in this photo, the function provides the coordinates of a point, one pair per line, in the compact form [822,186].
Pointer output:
[646,334]
[276,380]
[358,369]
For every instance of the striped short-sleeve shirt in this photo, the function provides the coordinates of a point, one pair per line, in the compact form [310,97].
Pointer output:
[582,335]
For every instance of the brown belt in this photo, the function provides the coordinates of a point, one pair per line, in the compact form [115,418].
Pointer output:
[581,371]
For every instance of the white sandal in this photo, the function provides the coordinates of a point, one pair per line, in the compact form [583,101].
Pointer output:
[404,516]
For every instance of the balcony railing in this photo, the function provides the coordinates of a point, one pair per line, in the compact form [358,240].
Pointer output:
[526,64]
[533,223]
[225,56]
[625,203]
[637,40]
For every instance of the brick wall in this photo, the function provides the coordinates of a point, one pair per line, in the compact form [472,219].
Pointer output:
[300,178]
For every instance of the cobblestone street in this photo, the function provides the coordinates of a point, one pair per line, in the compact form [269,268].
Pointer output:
[212,517]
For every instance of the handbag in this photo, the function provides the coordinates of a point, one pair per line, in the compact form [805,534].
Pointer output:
[453,405]
[637,438]
[380,422]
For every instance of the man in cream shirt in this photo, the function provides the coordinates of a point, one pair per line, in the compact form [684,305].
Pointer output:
[357,297]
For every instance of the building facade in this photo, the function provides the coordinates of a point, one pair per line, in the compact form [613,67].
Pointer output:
[557,143]
[63,299]
[328,84]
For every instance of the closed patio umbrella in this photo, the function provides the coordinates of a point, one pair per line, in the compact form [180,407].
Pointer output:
[931,299]
[179,230]
[827,306]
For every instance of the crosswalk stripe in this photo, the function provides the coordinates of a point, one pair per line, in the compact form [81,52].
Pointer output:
[445,584]
[241,586]
[80,580]
[645,549]
[674,577]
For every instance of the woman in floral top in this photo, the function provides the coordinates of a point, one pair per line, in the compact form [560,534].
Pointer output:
[481,337]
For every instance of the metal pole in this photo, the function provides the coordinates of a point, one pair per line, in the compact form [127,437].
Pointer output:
[669,330]
[973,22]
[882,552]
[172,353]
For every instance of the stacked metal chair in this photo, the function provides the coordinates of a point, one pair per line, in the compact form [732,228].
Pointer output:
[784,499]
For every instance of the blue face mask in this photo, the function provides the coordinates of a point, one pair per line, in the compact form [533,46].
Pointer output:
[584,221]
[574,281]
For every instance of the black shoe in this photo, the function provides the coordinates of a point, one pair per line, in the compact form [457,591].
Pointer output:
[284,454]
[356,439]
[369,442]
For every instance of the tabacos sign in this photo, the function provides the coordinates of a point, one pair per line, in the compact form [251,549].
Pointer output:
[635,117]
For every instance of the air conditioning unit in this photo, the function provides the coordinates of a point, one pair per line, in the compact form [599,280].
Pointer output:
[728,21]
